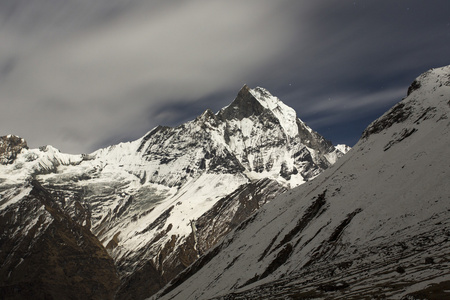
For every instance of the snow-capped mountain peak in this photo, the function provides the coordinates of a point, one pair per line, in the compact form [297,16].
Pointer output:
[285,114]
[243,106]
[159,202]
[373,226]
[253,102]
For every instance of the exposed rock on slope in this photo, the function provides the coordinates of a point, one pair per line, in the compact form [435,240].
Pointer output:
[46,255]
[159,202]
[10,147]
[375,225]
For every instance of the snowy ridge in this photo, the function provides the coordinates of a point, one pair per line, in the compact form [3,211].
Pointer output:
[376,224]
[141,198]
[31,162]
[285,114]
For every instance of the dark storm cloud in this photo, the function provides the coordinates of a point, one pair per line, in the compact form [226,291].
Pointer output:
[82,75]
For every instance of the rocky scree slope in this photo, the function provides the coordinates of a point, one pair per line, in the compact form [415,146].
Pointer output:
[376,225]
[156,204]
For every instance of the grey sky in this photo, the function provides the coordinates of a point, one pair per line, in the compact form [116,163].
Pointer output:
[81,76]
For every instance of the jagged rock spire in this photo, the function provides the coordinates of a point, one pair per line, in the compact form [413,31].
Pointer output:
[243,106]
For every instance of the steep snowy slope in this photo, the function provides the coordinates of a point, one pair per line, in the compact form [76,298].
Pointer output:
[159,202]
[376,225]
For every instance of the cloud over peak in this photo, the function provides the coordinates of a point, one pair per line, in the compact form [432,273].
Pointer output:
[77,72]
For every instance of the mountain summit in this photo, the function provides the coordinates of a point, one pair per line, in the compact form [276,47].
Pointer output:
[244,106]
[375,225]
[155,204]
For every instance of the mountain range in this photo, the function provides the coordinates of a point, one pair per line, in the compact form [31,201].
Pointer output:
[375,225]
[123,221]
[245,203]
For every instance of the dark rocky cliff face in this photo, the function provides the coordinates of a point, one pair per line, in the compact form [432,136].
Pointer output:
[10,146]
[46,255]
[244,106]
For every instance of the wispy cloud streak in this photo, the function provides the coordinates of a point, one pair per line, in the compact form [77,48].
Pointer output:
[80,74]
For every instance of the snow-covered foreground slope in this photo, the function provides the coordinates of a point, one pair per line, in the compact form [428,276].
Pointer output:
[161,201]
[376,225]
